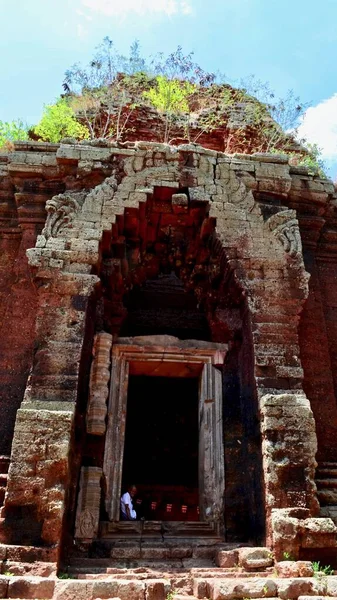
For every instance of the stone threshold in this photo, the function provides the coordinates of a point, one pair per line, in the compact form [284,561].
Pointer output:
[159,529]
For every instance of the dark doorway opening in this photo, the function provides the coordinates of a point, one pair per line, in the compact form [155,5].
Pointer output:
[161,447]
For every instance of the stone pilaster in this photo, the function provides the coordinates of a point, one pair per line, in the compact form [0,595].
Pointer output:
[88,504]
[39,471]
[99,384]
[289,447]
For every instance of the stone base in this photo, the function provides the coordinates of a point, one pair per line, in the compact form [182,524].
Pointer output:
[295,533]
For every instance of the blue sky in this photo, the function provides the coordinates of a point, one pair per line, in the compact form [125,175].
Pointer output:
[290,43]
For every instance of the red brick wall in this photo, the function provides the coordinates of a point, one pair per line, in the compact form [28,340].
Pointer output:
[17,321]
[318,343]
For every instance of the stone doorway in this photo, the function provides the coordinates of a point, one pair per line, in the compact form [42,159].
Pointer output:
[195,364]
[161,447]
[164,275]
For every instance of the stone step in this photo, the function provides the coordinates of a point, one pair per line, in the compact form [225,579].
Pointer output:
[327,483]
[149,573]
[158,542]
[250,559]
[122,553]
[192,530]
[166,553]
[316,598]
[36,568]
[155,565]
[182,597]
[163,557]
[327,472]
[27,587]
[260,587]
[28,554]
[329,511]
[327,497]
[51,588]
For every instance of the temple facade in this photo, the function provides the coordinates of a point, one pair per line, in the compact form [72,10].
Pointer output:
[168,320]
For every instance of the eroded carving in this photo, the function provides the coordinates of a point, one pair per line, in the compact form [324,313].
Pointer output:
[88,504]
[99,381]
[284,225]
[61,210]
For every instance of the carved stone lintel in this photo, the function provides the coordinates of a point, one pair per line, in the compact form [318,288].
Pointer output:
[99,382]
[284,225]
[88,503]
[61,210]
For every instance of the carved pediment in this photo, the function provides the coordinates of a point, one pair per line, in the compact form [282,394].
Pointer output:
[284,225]
[61,210]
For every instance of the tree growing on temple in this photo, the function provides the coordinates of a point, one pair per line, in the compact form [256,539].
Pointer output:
[12,131]
[58,121]
[111,96]
[104,93]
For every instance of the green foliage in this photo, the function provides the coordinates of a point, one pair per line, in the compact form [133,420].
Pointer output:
[170,95]
[274,120]
[181,66]
[104,68]
[287,556]
[59,121]
[64,575]
[12,131]
[105,111]
[321,571]
[105,93]
[286,110]
[310,158]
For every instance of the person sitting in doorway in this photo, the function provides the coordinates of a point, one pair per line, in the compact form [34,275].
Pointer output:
[127,511]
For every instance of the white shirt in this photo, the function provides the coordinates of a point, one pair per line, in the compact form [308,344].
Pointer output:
[126,500]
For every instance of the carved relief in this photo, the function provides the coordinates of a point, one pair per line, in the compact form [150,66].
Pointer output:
[284,225]
[86,526]
[99,384]
[88,504]
[61,210]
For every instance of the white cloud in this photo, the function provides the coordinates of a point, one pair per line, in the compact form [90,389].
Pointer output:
[81,31]
[82,14]
[319,126]
[142,7]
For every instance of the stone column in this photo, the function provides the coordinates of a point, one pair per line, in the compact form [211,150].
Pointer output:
[288,447]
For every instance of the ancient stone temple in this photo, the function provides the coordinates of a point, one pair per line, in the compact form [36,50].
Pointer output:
[168,320]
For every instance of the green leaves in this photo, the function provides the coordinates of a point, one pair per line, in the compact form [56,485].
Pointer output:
[59,121]
[170,95]
[13,131]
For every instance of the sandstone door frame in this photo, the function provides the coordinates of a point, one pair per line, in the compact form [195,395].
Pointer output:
[151,360]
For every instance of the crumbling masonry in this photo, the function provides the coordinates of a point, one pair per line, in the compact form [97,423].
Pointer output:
[254,242]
